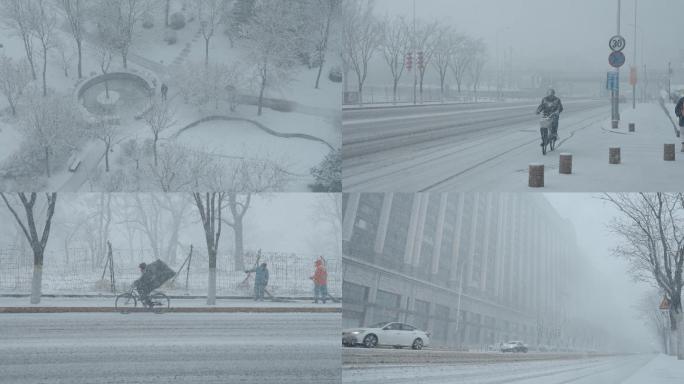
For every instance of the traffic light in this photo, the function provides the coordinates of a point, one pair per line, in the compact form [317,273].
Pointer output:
[409,61]
[421,62]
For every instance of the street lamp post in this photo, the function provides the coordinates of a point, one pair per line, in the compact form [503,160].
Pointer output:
[635,57]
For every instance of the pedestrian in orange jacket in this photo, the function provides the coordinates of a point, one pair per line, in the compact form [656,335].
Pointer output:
[320,279]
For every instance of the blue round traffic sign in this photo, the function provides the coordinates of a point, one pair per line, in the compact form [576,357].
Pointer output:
[616,59]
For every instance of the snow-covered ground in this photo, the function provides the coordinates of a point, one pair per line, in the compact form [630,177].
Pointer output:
[316,111]
[496,157]
[106,301]
[169,348]
[628,369]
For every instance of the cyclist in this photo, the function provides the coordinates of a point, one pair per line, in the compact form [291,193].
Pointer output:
[142,287]
[551,106]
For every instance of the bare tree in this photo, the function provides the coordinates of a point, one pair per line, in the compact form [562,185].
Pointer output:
[75,11]
[65,56]
[425,42]
[51,123]
[19,17]
[104,58]
[210,206]
[396,43]
[14,77]
[117,20]
[238,205]
[106,132]
[477,65]
[159,118]
[37,241]
[210,16]
[461,60]
[446,43]
[271,44]
[652,228]
[360,39]
[43,25]
[324,16]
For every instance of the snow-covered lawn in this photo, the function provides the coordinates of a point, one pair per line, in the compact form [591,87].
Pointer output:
[243,139]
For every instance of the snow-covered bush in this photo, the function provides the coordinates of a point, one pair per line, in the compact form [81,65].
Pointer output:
[148,21]
[328,174]
[177,21]
[335,75]
[209,87]
[171,37]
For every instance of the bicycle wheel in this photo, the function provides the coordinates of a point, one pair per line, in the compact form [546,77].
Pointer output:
[124,302]
[160,302]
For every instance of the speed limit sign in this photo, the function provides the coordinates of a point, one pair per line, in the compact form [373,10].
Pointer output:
[617,43]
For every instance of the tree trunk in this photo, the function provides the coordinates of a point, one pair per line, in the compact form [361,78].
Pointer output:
[107,145]
[360,93]
[211,294]
[206,52]
[166,12]
[79,45]
[394,91]
[680,336]
[13,107]
[44,71]
[47,161]
[239,246]
[261,93]
[36,283]
[320,71]
[154,148]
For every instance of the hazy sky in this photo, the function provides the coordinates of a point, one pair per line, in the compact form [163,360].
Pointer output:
[614,294]
[568,34]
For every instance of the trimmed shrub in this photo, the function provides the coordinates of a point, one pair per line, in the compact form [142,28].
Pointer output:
[177,21]
[328,174]
[171,37]
[335,75]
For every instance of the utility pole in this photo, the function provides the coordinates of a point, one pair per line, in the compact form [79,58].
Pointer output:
[617,92]
[413,39]
[669,80]
[635,57]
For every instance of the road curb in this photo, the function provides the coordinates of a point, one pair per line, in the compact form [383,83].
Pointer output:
[173,309]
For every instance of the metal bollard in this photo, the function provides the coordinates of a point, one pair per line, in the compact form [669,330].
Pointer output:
[615,124]
[536,179]
[614,156]
[632,127]
[669,152]
[565,164]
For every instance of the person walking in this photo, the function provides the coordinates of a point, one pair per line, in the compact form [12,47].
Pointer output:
[679,111]
[164,91]
[260,280]
[320,279]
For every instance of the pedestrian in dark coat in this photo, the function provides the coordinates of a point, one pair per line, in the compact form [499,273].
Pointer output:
[164,91]
[260,281]
[679,111]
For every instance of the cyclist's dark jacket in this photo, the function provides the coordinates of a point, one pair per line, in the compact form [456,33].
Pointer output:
[679,112]
[550,105]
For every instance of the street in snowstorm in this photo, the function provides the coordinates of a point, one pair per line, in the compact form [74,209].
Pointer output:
[169,348]
[532,288]
[512,96]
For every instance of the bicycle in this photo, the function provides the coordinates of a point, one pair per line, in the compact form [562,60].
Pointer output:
[158,302]
[546,123]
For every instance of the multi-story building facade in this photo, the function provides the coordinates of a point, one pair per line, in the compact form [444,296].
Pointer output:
[472,268]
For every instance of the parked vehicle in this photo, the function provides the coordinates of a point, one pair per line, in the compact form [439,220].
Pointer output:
[390,334]
[514,346]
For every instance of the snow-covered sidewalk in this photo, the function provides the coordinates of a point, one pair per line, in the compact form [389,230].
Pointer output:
[662,369]
[12,304]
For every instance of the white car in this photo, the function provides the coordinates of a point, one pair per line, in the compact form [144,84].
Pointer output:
[391,334]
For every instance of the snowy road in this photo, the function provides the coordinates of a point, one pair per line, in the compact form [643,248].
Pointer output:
[595,370]
[183,348]
[426,148]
